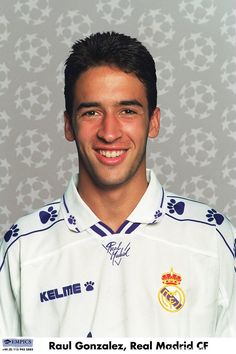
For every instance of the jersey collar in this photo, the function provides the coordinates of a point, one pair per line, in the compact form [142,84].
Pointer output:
[150,209]
[79,216]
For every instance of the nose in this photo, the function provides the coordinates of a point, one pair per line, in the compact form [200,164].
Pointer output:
[110,129]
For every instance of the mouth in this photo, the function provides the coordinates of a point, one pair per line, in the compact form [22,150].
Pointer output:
[111,153]
[111,157]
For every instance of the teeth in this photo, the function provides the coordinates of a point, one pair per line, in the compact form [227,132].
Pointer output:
[113,153]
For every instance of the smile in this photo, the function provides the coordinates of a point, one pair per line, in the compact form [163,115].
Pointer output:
[111,157]
[111,153]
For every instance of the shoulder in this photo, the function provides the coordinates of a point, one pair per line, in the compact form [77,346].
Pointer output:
[30,235]
[38,221]
[183,209]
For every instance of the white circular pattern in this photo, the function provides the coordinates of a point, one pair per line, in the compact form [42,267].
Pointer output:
[169,29]
[228,74]
[30,11]
[4,33]
[32,52]
[115,12]
[72,25]
[31,192]
[228,27]
[33,148]
[167,125]
[200,189]
[66,166]
[60,122]
[230,211]
[5,177]
[163,166]
[60,74]
[4,126]
[165,75]
[198,147]
[199,12]
[229,121]
[155,28]
[4,78]
[197,52]
[229,169]
[5,222]
[33,101]
[197,99]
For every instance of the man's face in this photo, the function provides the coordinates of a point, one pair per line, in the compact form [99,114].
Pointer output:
[110,124]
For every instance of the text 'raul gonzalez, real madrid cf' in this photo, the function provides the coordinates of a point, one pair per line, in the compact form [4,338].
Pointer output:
[132,345]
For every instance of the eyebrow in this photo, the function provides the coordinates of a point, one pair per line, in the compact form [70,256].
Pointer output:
[87,105]
[130,103]
[120,103]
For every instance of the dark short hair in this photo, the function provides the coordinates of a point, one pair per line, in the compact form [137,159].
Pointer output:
[115,49]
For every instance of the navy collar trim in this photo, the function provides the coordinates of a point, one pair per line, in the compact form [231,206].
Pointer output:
[103,230]
[79,217]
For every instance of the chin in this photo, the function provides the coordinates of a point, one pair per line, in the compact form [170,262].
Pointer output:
[110,181]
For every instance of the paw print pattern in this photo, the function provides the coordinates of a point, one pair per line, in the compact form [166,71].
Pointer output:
[72,220]
[175,207]
[50,214]
[213,215]
[89,285]
[14,231]
[158,214]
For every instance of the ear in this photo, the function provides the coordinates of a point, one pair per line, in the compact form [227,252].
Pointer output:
[154,123]
[68,129]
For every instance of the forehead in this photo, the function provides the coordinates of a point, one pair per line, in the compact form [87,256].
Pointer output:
[108,81]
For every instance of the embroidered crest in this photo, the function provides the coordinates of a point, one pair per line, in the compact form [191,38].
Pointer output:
[171,296]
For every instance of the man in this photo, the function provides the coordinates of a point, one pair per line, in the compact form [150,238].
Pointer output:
[116,255]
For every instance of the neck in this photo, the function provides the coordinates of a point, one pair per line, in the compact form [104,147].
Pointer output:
[114,204]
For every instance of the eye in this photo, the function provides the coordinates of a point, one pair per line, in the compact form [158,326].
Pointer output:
[90,114]
[128,111]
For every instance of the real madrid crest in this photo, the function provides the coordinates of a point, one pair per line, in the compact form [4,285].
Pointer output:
[171,296]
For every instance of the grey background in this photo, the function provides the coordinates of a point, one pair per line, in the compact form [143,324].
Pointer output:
[193,43]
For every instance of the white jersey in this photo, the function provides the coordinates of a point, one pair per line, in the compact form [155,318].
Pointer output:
[167,271]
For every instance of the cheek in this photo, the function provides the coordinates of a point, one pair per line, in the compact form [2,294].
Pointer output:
[137,132]
[86,136]
[84,132]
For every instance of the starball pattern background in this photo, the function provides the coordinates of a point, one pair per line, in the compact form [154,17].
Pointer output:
[193,43]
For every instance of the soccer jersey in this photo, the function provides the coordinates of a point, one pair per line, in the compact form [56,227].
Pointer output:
[167,271]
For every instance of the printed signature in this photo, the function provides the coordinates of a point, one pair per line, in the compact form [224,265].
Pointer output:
[117,251]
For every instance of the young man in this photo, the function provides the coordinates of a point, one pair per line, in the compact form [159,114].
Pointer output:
[116,255]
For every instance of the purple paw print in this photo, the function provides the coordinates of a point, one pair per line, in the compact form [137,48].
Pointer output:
[72,220]
[89,285]
[14,231]
[213,215]
[50,214]
[175,207]
[158,214]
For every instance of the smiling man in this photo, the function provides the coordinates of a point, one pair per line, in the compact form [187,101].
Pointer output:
[117,255]
[111,124]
